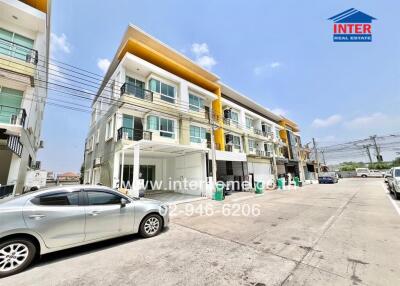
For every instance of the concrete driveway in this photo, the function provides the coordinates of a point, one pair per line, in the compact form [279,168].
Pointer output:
[342,234]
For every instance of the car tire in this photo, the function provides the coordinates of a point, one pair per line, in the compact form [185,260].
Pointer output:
[151,225]
[363,176]
[396,195]
[21,254]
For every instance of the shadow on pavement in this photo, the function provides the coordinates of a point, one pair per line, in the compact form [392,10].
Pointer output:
[87,249]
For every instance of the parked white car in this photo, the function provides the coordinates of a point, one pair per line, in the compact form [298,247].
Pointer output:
[365,172]
[394,182]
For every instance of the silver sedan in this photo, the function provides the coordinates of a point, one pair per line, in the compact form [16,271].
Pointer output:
[64,217]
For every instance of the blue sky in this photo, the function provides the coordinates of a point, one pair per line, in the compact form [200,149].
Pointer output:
[280,53]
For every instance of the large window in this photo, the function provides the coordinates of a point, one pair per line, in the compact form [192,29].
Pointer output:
[135,87]
[252,145]
[197,134]
[57,199]
[167,91]
[236,142]
[235,117]
[110,128]
[102,198]
[195,103]
[10,102]
[249,123]
[22,49]
[165,126]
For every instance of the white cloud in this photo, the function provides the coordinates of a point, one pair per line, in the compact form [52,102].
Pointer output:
[59,43]
[199,49]
[266,68]
[329,121]
[103,64]
[202,55]
[280,111]
[367,121]
[206,62]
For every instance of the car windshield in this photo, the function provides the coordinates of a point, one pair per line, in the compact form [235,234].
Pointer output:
[397,173]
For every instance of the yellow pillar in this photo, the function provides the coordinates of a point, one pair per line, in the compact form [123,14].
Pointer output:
[218,117]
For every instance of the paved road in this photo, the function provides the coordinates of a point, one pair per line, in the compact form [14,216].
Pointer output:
[343,234]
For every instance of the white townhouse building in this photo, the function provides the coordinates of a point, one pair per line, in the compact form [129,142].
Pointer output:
[156,115]
[24,51]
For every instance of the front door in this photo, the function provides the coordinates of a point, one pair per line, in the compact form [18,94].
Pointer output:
[104,215]
[148,174]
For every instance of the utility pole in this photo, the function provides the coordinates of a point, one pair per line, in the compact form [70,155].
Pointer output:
[368,152]
[378,153]
[323,156]
[316,154]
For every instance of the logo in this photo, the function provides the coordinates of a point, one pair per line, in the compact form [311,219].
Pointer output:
[352,26]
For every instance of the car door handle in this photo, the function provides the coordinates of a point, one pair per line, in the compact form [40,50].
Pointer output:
[94,213]
[37,216]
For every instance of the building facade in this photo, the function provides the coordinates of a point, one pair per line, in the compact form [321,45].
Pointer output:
[24,50]
[161,122]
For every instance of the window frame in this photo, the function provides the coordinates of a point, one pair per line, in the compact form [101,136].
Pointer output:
[158,128]
[159,89]
[198,139]
[236,146]
[253,147]
[248,118]
[85,197]
[109,128]
[237,114]
[200,100]
[36,200]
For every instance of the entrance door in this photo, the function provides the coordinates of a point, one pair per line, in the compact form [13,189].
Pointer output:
[127,123]
[148,174]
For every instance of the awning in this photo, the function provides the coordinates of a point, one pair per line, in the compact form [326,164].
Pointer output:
[228,156]
[163,149]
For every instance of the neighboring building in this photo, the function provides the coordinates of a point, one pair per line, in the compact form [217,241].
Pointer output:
[68,177]
[154,117]
[24,50]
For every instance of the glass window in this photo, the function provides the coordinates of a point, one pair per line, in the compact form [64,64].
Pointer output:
[58,199]
[152,122]
[19,51]
[167,128]
[249,122]
[397,172]
[135,87]
[252,144]
[109,128]
[235,117]
[154,85]
[167,93]
[236,142]
[10,102]
[195,103]
[102,198]
[197,134]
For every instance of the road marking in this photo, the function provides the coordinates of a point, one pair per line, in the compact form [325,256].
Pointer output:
[396,207]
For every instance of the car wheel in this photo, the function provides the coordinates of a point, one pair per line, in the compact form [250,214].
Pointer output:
[15,255]
[151,225]
[396,195]
[363,176]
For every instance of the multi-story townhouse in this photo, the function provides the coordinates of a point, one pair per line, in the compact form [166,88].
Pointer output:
[24,50]
[159,117]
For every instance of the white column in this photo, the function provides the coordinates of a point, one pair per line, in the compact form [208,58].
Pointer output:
[136,165]
[122,168]
[183,94]
[115,170]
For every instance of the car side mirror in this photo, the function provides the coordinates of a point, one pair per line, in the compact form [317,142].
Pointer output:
[123,202]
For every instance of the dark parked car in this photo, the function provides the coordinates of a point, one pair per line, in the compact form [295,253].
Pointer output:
[328,178]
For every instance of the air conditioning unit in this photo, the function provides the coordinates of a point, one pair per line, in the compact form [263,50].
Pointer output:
[41,144]
[36,165]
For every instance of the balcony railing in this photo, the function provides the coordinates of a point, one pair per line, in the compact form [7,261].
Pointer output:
[268,134]
[217,146]
[126,133]
[18,51]
[12,115]
[257,131]
[136,91]
[230,122]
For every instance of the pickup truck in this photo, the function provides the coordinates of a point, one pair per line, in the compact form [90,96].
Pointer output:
[365,173]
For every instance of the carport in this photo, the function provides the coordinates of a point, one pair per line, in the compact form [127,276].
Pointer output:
[162,169]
